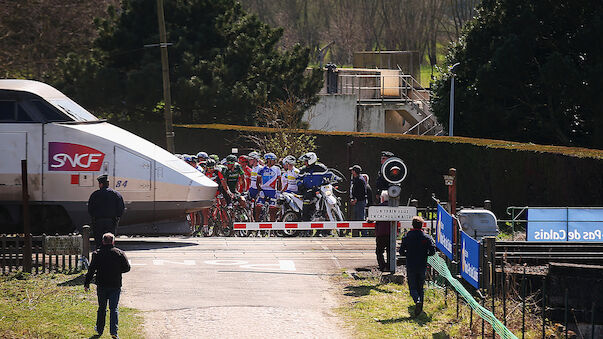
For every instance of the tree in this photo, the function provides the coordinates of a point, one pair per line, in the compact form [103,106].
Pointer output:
[224,63]
[35,33]
[529,71]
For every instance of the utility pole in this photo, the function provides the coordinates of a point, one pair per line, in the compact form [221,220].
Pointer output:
[167,98]
[451,118]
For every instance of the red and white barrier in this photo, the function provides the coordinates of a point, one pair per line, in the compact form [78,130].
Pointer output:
[312,225]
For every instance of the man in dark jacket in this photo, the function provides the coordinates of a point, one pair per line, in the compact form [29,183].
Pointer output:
[382,232]
[416,246]
[105,206]
[357,193]
[380,183]
[108,262]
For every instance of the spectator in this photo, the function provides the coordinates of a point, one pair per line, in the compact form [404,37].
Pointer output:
[108,263]
[105,206]
[416,246]
[357,193]
[380,183]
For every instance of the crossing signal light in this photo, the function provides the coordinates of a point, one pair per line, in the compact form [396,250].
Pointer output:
[393,170]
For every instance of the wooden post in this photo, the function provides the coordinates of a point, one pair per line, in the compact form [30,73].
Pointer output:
[489,248]
[26,224]
[86,242]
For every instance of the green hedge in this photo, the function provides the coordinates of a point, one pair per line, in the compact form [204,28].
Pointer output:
[508,174]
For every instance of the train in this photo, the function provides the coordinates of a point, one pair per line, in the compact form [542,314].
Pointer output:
[67,148]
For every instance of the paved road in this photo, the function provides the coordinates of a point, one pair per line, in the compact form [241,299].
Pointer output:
[240,287]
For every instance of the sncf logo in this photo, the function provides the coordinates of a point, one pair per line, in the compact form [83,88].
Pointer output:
[63,156]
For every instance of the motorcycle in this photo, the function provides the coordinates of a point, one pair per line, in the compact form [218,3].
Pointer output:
[291,206]
[327,204]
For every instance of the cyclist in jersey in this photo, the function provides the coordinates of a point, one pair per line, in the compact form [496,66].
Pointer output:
[235,177]
[202,157]
[244,162]
[269,181]
[215,175]
[291,174]
[254,158]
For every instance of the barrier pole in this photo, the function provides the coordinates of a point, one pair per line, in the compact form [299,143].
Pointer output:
[26,221]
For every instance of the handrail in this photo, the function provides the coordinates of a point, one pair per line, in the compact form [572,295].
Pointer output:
[418,123]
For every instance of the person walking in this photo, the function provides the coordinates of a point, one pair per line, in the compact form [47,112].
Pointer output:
[357,193]
[416,246]
[108,263]
[105,207]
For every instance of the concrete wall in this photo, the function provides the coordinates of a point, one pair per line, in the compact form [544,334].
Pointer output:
[333,113]
[371,118]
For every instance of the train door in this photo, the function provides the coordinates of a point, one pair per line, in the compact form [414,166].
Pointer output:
[133,179]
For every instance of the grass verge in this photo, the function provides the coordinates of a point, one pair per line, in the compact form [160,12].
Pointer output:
[55,306]
[384,311]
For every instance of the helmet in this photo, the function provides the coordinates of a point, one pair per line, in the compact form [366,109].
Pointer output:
[202,155]
[231,159]
[187,158]
[243,159]
[254,155]
[210,163]
[215,157]
[310,157]
[270,156]
[289,160]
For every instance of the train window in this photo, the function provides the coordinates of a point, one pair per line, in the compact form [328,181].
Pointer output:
[22,115]
[48,113]
[7,110]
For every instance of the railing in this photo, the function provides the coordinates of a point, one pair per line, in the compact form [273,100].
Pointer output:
[43,260]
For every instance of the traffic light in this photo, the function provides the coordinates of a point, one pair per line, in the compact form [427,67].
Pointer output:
[393,171]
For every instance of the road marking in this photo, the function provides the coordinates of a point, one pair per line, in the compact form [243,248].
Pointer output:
[226,262]
[283,265]
[130,262]
[160,262]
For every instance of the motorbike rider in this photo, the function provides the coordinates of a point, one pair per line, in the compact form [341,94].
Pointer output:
[311,176]
[291,174]
[269,181]
[218,178]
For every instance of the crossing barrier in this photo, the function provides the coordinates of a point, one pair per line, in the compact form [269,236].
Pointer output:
[312,225]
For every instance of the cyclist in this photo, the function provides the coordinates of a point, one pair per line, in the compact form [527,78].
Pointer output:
[202,157]
[235,177]
[269,180]
[244,162]
[219,165]
[254,158]
[291,175]
[311,176]
[215,175]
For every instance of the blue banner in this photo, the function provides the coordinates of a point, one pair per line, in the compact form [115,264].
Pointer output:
[470,259]
[565,224]
[444,231]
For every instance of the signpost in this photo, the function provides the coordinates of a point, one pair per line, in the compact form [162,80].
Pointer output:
[394,172]
[390,213]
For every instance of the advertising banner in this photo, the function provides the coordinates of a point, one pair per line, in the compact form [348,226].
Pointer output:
[470,259]
[565,224]
[444,232]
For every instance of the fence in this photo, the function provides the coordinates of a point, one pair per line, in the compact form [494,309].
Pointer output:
[48,253]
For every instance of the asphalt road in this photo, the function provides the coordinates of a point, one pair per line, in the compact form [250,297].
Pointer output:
[240,287]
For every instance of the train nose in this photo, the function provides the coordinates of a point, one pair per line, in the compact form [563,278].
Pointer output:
[202,190]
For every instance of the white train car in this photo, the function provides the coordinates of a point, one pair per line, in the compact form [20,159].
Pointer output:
[67,148]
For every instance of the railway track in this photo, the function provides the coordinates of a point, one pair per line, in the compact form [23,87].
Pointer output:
[540,253]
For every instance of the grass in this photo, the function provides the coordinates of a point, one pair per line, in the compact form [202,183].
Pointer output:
[55,306]
[384,311]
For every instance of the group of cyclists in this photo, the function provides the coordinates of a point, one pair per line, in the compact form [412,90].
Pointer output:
[261,179]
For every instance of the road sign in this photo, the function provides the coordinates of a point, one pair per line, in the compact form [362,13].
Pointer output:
[390,213]
[63,244]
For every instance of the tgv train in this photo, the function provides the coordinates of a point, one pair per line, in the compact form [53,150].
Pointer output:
[67,148]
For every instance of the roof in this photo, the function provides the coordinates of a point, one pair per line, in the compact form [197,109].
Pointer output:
[39,88]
